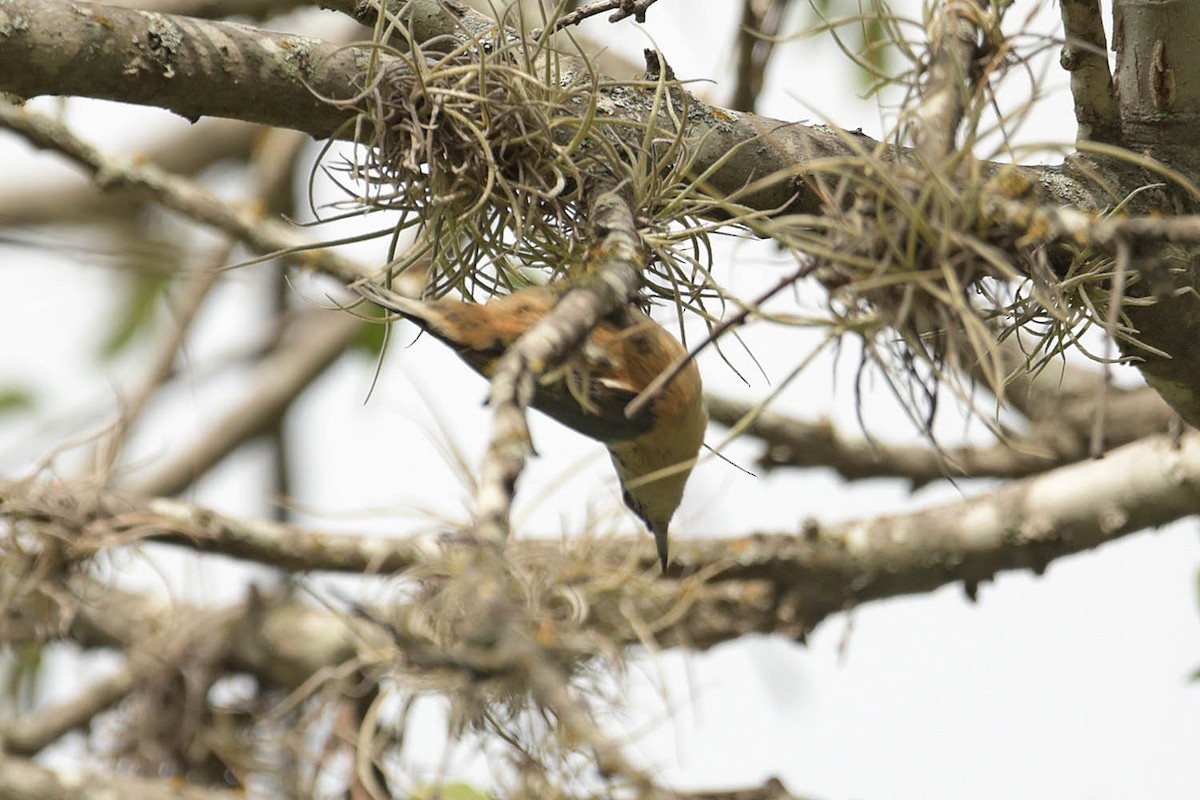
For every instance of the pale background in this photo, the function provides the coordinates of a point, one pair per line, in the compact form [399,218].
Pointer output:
[1069,685]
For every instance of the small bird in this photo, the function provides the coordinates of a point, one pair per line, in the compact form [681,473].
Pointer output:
[617,361]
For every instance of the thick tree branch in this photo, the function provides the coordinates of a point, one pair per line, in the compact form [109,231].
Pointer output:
[1024,524]
[1155,79]
[189,66]
[178,64]
[768,173]
[216,9]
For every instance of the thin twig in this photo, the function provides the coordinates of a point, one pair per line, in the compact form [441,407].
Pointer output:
[163,359]
[181,195]
[624,9]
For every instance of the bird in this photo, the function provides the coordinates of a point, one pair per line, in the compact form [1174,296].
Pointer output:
[652,452]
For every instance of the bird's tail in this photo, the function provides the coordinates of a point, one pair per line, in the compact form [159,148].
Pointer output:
[399,302]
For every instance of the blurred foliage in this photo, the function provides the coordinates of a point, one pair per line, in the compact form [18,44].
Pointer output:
[860,28]
[452,791]
[16,399]
[137,311]
[370,338]
[21,669]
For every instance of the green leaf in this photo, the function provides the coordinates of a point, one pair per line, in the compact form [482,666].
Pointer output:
[874,37]
[138,311]
[451,791]
[16,399]
[22,668]
[371,335]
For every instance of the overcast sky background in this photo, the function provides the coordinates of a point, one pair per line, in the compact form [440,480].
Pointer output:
[1069,685]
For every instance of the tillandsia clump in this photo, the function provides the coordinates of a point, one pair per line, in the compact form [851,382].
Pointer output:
[490,147]
[926,246]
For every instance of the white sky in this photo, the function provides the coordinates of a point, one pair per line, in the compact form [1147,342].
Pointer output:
[1069,685]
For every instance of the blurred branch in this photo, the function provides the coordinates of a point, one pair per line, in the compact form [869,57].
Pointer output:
[792,442]
[162,361]
[21,779]
[196,148]
[248,226]
[491,646]
[258,10]
[756,39]
[773,789]
[28,737]
[551,687]
[1085,229]
[313,342]
[170,649]
[1058,435]
[953,33]
[279,640]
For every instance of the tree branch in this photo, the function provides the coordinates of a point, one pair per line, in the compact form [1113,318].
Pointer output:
[176,193]
[195,149]
[1024,524]
[315,342]
[277,79]
[954,31]
[189,66]
[28,737]
[1058,435]
[1085,56]
[21,779]
[216,9]
[756,39]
